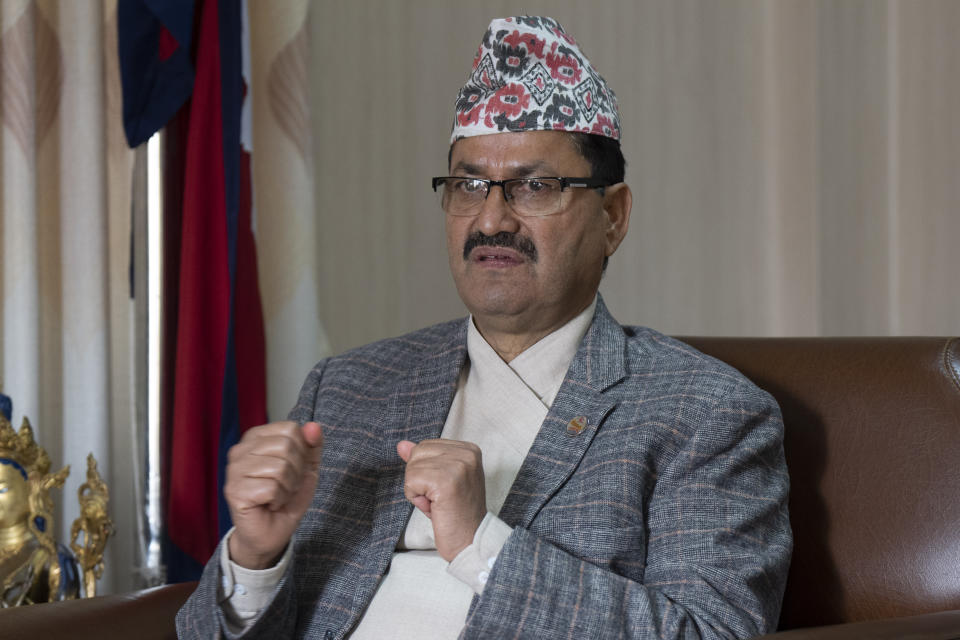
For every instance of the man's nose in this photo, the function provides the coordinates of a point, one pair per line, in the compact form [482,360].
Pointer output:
[495,214]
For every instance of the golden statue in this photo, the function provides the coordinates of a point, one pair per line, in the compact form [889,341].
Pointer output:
[94,524]
[33,567]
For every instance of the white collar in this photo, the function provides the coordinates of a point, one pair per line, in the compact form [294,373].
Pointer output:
[543,365]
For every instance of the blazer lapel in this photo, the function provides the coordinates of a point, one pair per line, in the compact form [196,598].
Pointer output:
[418,412]
[573,420]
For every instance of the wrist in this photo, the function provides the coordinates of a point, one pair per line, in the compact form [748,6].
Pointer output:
[465,536]
[248,558]
[449,553]
[474,564]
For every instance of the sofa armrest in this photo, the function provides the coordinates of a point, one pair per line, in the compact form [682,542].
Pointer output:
[145,615]
[944,625]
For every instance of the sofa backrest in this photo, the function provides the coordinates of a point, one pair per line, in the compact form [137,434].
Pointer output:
[872,440]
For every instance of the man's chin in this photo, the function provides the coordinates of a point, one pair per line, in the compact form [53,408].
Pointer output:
[496,302]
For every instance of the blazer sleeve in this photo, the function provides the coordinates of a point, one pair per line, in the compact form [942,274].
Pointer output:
[717,550]
[202,617]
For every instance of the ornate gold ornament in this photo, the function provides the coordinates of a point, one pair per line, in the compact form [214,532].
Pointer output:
[94,524]
[33,566]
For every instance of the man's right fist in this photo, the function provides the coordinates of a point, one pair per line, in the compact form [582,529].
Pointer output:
[271,477]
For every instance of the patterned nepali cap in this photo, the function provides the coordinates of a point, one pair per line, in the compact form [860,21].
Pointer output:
[529,75]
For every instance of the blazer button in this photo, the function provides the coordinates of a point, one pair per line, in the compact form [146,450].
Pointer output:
[576,426]
[328,635]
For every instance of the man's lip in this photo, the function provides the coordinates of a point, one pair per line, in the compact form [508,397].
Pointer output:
[496,255]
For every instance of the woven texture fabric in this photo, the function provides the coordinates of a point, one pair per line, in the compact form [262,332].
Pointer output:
[530,75]
[662,515]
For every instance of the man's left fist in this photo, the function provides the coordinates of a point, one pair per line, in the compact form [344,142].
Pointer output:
[444,479]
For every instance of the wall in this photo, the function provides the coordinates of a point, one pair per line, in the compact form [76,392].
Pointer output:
[793,163]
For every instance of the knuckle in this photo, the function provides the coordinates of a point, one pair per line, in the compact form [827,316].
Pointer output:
[290,449]
[268,493]
[292,477]
[461,464]
[255,432]
[236,452]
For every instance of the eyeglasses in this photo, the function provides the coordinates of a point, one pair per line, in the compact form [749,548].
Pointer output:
[526,197]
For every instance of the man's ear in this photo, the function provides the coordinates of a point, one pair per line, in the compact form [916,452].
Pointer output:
[617,202]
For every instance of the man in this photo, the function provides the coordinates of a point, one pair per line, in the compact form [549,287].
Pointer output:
[536,470]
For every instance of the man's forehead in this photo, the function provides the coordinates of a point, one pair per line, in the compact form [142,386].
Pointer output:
[519,152]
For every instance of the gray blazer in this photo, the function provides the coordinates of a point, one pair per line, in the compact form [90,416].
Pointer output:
[665,517]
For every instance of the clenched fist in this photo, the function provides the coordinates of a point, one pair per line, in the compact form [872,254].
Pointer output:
[271,477]
[444,479]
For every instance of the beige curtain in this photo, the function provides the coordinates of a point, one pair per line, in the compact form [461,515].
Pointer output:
[65,218]
[285,219]
[794,163]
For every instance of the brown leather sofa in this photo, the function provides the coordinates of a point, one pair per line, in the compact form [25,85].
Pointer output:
[873,445]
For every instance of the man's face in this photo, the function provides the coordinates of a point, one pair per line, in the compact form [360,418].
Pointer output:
[551,269]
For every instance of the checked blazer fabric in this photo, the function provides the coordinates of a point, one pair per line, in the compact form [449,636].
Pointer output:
[665,517]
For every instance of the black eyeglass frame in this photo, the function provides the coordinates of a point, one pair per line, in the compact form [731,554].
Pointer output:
[565,183]
[584,183]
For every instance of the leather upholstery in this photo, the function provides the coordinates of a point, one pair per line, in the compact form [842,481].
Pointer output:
[944,625]
[873,446]
[872,430]
[141,615]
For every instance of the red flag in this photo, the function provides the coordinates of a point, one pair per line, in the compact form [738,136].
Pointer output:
[216,341]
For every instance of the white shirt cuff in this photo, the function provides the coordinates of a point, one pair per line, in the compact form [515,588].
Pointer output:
[473,565]
[244,593]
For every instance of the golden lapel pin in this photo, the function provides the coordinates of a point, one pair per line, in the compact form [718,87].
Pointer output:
[577,425]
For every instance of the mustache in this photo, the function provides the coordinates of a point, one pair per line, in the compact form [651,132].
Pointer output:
[518,243]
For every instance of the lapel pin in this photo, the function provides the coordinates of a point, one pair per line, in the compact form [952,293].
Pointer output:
[577,425]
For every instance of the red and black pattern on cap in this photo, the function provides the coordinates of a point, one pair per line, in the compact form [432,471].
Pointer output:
[528,74]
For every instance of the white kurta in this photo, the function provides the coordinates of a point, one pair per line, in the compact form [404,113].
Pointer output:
[499,407]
